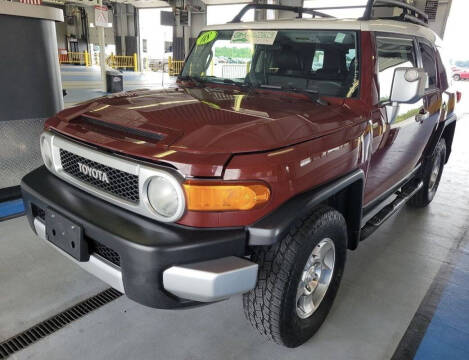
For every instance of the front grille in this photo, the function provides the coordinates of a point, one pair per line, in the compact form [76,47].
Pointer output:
[120,183]
[105,252]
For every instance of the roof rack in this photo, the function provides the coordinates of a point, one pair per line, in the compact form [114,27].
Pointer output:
[296,9]
[409,13]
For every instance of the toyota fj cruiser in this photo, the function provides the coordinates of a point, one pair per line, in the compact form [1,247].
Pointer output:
[255,175]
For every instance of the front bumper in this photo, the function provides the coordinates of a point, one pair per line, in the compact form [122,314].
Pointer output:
[158,265]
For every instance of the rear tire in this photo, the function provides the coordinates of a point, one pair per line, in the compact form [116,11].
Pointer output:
[432,171]
[293,270]
[457,77]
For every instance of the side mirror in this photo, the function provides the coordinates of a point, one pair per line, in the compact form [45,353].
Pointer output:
[408,85]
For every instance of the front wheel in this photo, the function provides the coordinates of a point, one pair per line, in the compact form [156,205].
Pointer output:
[298,279]
[457,77]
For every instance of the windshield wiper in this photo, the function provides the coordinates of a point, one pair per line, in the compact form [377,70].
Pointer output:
[209,79]
[231,81]
[199,82]
[312,94]
[217,80]
[242,85]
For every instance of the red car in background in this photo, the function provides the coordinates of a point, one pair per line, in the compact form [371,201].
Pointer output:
[460,73]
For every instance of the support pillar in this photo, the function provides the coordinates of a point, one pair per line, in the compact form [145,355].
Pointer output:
[102,53]
[31,88]
[260,14]
[289,14]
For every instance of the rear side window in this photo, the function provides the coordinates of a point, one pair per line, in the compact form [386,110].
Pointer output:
[393,53]
[444,68]
[429,64]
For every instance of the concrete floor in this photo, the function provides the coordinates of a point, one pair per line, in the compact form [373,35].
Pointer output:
[84,83]
[384,283]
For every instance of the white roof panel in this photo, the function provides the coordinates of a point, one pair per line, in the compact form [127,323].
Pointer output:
[390,26]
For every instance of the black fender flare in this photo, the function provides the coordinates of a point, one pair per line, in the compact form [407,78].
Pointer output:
[437,134]
[276,225]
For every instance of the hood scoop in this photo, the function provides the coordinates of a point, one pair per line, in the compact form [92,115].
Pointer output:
[120,130]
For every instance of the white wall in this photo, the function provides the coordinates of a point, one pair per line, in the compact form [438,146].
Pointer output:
[347,13]
[456,30]
[221,14]
[154,33]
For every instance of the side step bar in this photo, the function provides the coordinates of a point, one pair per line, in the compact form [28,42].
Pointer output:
[403,195]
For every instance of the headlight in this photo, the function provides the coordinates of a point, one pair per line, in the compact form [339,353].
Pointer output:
[164,196]
[46,150]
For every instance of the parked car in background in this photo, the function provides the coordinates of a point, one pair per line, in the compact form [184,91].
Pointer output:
[460,73]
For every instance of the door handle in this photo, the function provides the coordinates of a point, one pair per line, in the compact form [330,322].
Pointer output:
[422,116]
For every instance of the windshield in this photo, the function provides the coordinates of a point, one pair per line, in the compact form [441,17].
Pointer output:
[322,61]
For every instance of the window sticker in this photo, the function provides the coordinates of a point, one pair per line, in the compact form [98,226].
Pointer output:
[255,37]
[340,38]
[207,37]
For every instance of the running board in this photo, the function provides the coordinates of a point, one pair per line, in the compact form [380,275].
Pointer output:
[403,195]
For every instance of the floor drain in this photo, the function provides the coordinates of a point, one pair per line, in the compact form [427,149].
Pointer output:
[56,322]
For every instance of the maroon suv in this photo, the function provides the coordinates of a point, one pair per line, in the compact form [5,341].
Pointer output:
[252,176]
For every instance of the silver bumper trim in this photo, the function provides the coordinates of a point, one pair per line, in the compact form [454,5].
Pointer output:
[99,268]
[211,280]
[205,281]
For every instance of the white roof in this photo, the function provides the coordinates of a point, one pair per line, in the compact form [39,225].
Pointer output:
[390,26]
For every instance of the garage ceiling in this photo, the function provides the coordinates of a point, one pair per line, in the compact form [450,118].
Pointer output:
[224,2]
[437,9]
[144,3]
[136,3]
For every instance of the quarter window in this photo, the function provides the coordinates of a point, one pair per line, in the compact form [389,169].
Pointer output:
[429,64]
[393,53]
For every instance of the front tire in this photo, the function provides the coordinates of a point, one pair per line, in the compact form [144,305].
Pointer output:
[457,77]
[432,171]
[298,279]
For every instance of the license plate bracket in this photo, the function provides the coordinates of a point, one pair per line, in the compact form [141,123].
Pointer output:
[66,235]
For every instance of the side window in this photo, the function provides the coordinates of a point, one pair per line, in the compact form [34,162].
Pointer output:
[393,53]
[429,64]
[318,60]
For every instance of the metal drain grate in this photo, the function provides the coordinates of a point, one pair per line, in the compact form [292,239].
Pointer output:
[55,323]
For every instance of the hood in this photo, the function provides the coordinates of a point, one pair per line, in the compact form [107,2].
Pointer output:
[209,123]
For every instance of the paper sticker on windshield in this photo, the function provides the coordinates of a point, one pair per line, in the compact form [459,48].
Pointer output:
[207,37]
[340,38]
[256,37]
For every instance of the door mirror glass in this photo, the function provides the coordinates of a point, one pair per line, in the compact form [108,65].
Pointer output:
[408,85]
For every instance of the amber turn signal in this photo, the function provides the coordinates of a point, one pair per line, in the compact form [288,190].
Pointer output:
[221,196]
